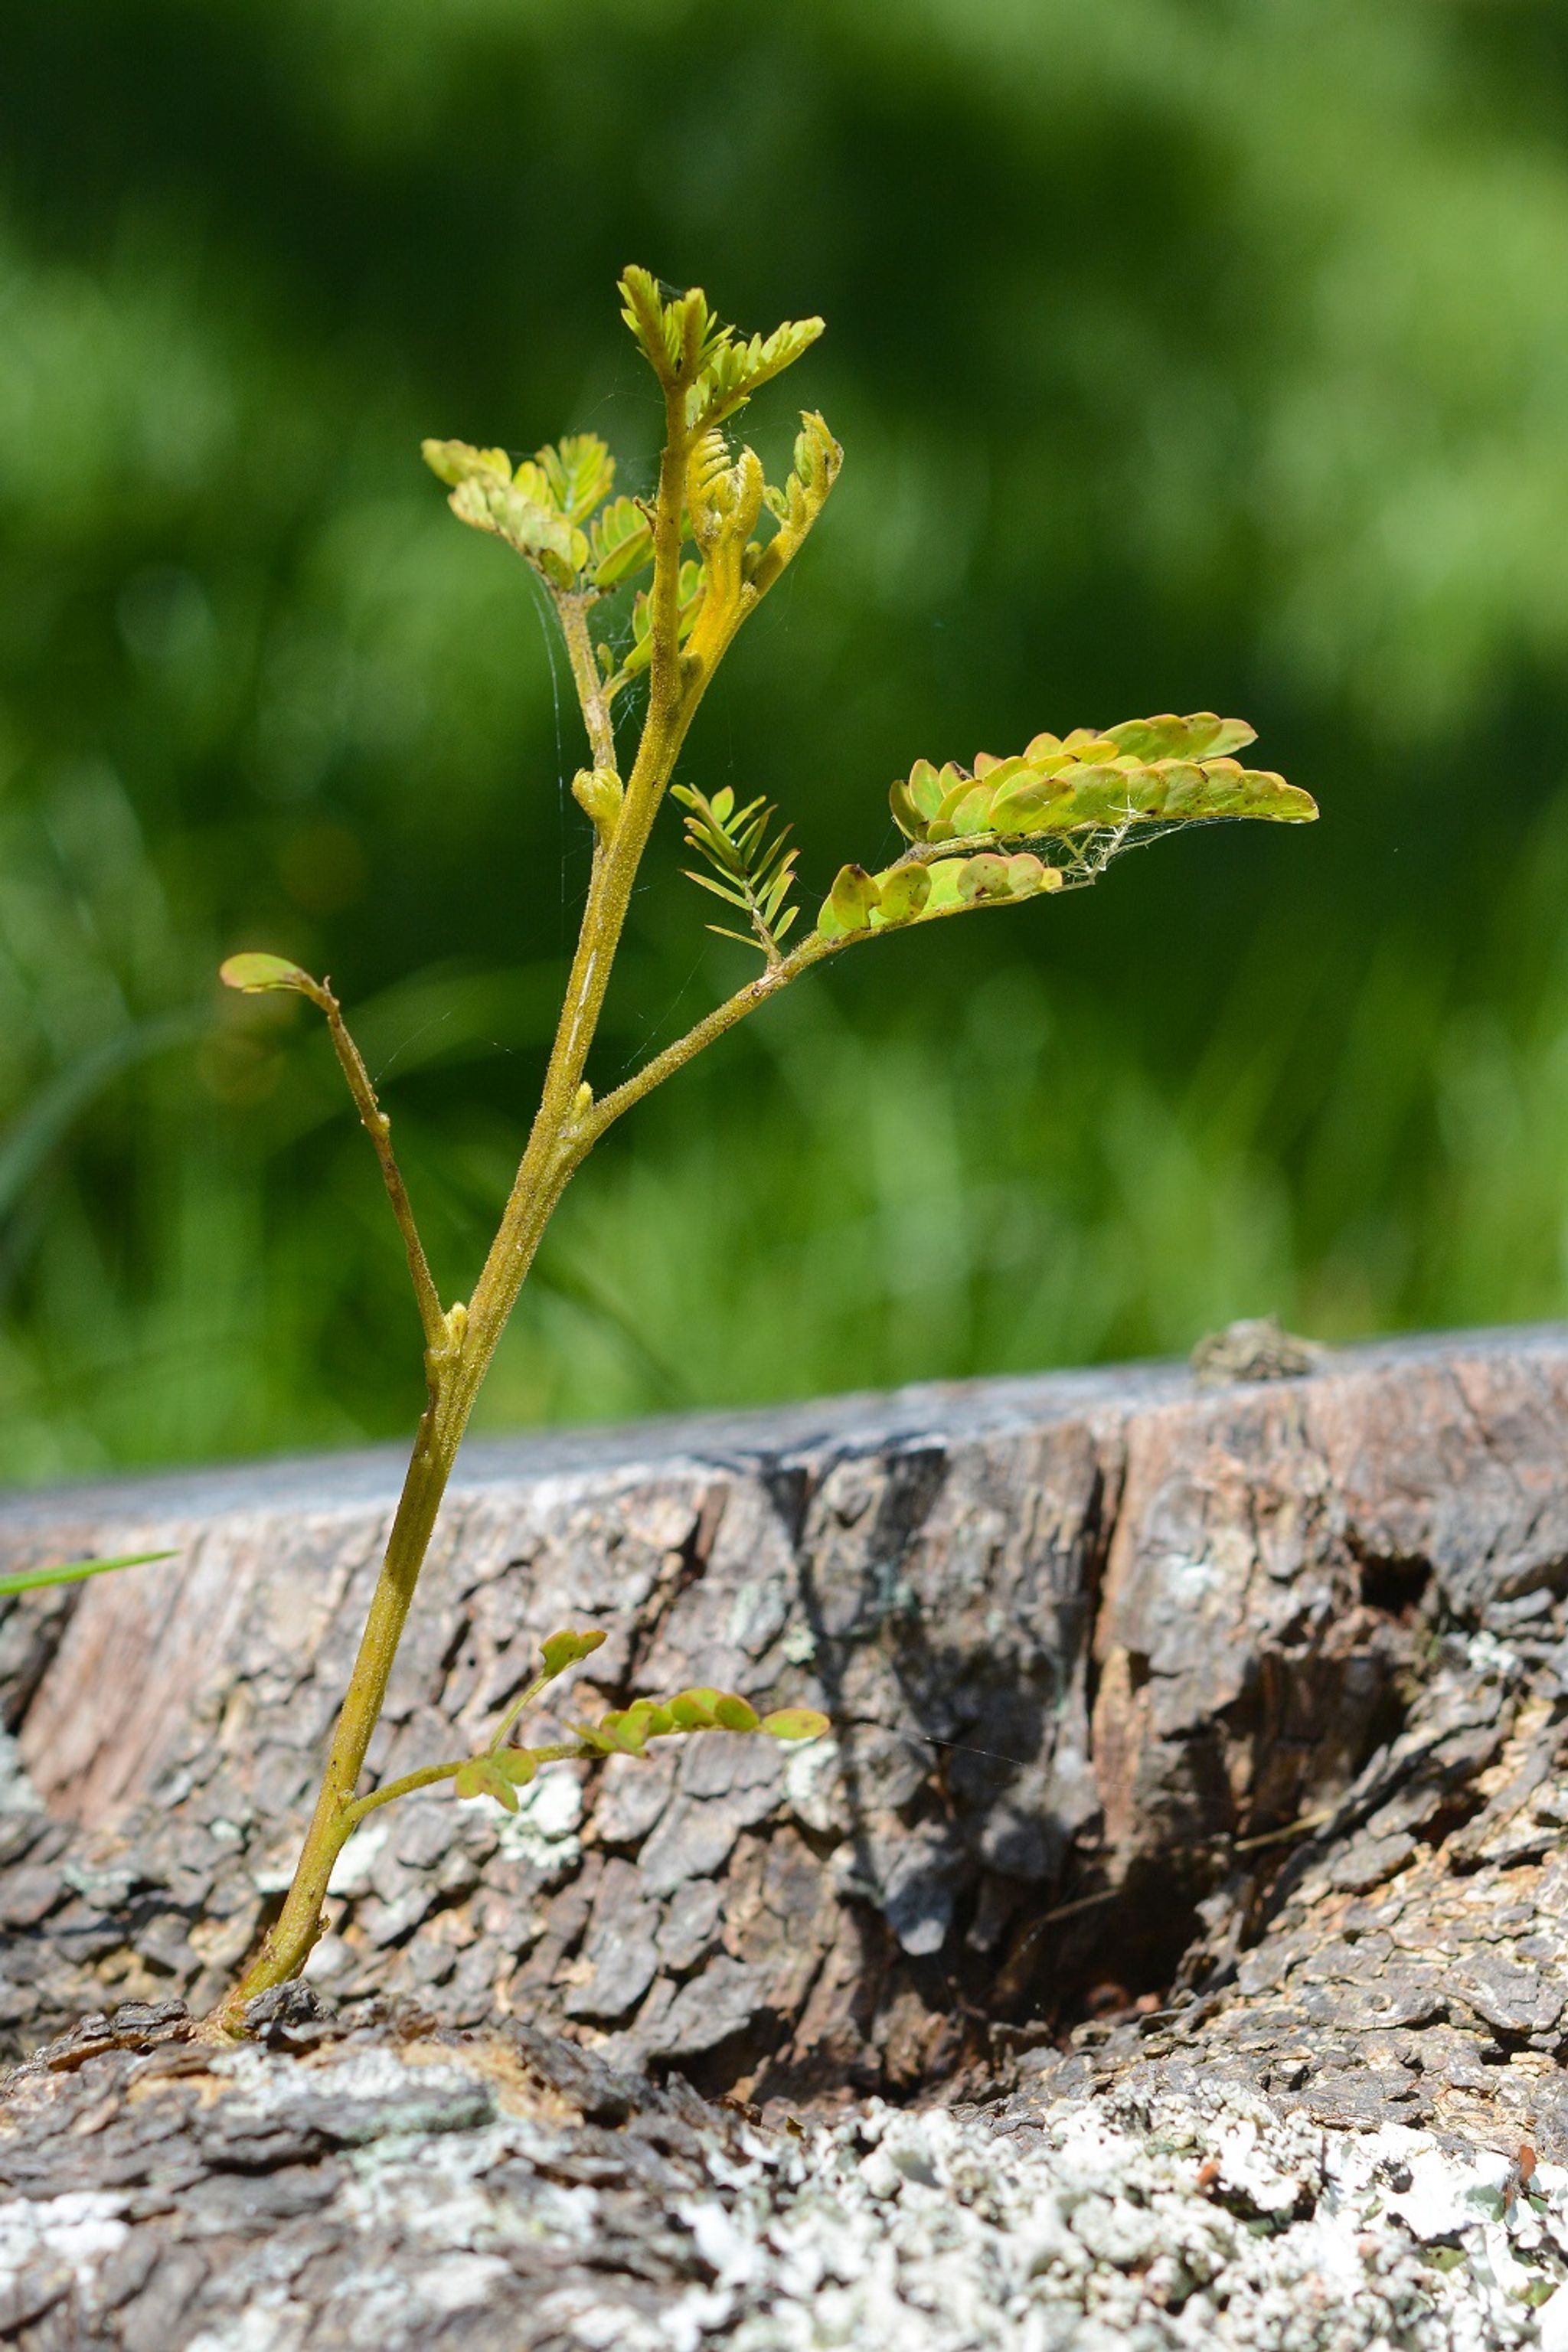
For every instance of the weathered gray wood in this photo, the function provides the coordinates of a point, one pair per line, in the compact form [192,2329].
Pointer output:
[396,2188]
[1083,1638]
[401,2188]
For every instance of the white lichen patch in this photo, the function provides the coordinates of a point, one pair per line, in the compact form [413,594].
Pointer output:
[353,1873]
[1212,2225]
[406,2203]
[78,2229]
[542,1831]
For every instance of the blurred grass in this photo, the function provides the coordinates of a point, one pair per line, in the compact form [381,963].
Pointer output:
[1185,356]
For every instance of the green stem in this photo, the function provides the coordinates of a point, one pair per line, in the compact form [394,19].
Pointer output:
[457,1361]
[811,950]
[378,1126]
[498,1736]
[592,694]
[460,1344]
[428,1774]
[712,1025]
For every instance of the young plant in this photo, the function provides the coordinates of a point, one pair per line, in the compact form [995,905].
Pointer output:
[710,540]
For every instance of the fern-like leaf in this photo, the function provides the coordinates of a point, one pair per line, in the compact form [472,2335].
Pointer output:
[690,349]
[581,473]
[621,539]
[734,371]
[540,508]
[751,866]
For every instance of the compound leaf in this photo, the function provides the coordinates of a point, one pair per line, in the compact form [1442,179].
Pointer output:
[736,370]
[625,1732]
[1200,736]
[580,472]
[455,461]
[690,587]
[1163,770]
[751,866]
[620,542]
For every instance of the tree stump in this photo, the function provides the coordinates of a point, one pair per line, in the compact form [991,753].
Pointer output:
[1194,1741]
[1139,1687]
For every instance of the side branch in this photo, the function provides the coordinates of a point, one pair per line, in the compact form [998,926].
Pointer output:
[592,696]
[378,1126]
[586,1131]
[605,1113]
[560,1752]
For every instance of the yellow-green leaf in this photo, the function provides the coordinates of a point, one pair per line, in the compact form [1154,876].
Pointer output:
[985,876]
[1202,735]
[621,540]
[733,1714]
[795,1723]
[963,811]
[564,1649]
[904,892]
[254,974]
[458,461]
[1026,874]
[580,472]
[944,876]
[482,1776]
[693,1710]
[852,897]
[1019,806]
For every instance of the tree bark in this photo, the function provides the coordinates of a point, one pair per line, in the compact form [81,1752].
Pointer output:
[1175,1728]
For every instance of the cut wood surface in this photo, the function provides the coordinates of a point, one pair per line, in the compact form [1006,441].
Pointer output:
[1176,1729]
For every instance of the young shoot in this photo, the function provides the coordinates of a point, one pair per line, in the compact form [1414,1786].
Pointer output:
[697,556]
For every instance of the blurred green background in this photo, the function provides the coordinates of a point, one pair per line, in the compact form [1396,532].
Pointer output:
[1187,353]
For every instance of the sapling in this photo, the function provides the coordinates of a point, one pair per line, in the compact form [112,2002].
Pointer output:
[709,543]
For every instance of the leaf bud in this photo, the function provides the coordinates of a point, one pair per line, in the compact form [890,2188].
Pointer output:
[600,792]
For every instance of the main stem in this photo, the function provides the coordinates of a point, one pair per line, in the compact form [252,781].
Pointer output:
[558,1140]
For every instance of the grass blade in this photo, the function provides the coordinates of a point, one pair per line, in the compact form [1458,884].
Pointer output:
[72,1571]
